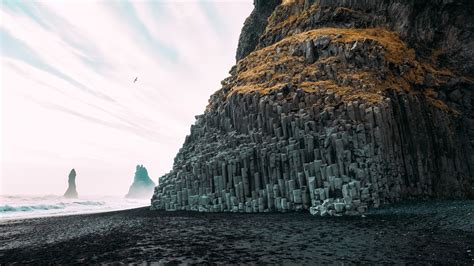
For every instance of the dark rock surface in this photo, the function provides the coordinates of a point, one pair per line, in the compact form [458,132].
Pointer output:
[254,26]
[441,26]
[440,232]
[142,186]
[341,106]
[71,189]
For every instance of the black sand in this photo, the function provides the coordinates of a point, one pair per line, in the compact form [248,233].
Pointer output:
[426,232]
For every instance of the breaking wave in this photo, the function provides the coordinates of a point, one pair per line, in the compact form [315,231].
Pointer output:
[91,203]
[8,208]
[18,207]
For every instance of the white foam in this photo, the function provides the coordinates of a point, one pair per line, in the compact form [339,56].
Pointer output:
[20,207]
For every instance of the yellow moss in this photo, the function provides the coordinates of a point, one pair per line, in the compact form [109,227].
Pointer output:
[435,53]
[327,60]
[288,2]
[418,71]
[310,86]
[254,69]
[348,10]
[288,16]
[278,22]
[255,88]
[397,52]
[429,92]
[265,70]
[438,72]
[468,79]
[431,97]
[345,92]
[270,68]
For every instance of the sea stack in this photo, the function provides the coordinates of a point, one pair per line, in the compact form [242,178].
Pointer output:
[71,190]
[335,106]
[142,186]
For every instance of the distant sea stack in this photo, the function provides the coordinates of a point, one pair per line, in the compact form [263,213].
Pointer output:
[142,186]
[71,190]
[335,106]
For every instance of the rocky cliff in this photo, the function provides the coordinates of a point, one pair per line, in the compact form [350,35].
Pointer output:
[142,186]
[71,189]
[335,106]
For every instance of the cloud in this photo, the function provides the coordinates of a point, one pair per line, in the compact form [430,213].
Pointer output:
[126,126]
[21,8]
[213,17]
[16,49]
[68,91]
[125,11]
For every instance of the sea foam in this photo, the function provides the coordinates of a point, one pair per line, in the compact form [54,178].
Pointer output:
[20,207]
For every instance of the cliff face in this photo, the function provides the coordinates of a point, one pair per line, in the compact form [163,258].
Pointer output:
[341,105]
[254,26]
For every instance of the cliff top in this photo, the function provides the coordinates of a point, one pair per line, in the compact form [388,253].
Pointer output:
[348,48]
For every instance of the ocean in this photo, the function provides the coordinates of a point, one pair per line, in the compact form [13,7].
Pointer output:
[21,207]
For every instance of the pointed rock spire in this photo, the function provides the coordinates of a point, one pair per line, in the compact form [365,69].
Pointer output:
[71,190]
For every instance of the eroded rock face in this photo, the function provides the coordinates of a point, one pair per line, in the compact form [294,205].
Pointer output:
[71,189]
[254,26]
[338,109]
[142,186]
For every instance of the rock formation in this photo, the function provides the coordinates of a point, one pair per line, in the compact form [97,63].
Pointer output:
[336,107]
[71,189]
[142,186]
[254,26]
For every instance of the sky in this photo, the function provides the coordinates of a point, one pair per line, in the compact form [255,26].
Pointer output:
[68,99]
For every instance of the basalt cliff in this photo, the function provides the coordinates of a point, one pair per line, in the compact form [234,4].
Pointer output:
[335,106]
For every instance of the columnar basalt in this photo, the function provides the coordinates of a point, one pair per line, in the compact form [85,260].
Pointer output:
[335,111]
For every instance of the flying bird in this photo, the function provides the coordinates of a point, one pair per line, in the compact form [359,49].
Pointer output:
[135,80]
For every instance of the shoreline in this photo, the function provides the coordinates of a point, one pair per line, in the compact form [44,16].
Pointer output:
[18,207]
[19,219]
[389,209]
[410,232]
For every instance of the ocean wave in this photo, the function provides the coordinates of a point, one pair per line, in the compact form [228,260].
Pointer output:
[38,207]
[21,206]
[26,208]
[90,203]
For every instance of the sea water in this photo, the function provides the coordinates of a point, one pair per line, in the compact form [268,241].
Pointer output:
[20,207]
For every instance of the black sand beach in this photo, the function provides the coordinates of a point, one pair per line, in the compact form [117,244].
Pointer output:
[423,232]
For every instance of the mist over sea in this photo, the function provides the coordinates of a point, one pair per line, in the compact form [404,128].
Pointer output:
[23,206]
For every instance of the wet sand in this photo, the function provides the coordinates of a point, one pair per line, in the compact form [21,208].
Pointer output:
[422,232]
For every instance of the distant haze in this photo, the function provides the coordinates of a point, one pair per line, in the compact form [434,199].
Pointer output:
[68,99]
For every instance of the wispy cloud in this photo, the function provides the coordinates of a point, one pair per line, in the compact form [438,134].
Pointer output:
[125,126]
[67,82]
[25,8]
[215,21]
[16,49]
[125,11]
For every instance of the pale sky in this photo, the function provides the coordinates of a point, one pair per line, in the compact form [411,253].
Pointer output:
[67,94]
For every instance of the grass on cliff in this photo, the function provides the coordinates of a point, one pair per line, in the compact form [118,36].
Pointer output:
[288,16]
[288,2]
[431,97]
[270,68]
